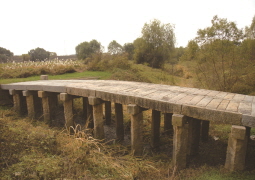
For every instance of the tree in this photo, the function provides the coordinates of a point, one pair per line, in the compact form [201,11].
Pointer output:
[129,49]
[115,48]
[156,44]
[5,55]
[191,51]
[218,65]
[25,57]
[86,49]
[250,31]
[38,54]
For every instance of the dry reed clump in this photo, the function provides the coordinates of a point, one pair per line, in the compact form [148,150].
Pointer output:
[31,68]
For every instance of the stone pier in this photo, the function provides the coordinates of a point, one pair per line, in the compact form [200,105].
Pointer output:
[180,141]
[34,104]
[119,122]
[19,101]
[98,117]
[68,111]
[237,146]
[136,113]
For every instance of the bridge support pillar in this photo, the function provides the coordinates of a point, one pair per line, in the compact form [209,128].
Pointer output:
[168,127]
[34,104]
[48,105]
[155,129]
[108,112]
[119,122]
[136,113]
[205,130]
[236,151]
[194,136]
[180,141]
[98,116]
[88,112]
[68,111]
[19,101]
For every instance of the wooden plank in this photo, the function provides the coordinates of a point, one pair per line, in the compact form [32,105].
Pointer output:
[248,98]
[229,96]
[232,106]
[238,97]
[195,100]
[214,104]
[204,101]
[245,108]
[223,105]
[213,93]
[221,95]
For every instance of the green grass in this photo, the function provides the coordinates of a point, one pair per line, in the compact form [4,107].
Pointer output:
[76,75]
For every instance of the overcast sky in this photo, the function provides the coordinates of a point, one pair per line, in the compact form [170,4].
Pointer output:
[60,25]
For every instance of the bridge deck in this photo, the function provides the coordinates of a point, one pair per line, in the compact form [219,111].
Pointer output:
[229,108]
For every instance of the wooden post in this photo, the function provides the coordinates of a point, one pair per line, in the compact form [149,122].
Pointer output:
[180,140]
[168,127]
[68,111]
[205,130]
[155,129]
[236,151]
[98,117]
[108,112]
[19,101]
[33,104]
[194,136]
[119,122]
[136,129]
[47,106]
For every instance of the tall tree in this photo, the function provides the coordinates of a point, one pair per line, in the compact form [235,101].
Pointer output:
[250,31]
[157,41]
[38,54]
[5,55]
[217,60]
[86,49]
[115,48]
[129,49]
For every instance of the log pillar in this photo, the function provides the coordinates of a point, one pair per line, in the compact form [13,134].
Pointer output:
[180,141]
[47,105]
[205,130]
[236,151]
[194,136]
[168,127]
[98,116]
[68,111]
[136,129]
[34,105]
[108,112]
[19,101]
[119,122]
[155,129]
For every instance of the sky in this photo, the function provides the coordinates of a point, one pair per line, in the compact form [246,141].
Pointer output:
[60,25]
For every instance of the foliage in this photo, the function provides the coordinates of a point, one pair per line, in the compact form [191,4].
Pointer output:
[38,54]
[5,55]
[129,48]
[86,49]
[115,48]
[156,44]
[217,55]
[250,31]
[25,57]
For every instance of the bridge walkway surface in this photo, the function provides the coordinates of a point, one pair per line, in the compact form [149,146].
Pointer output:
[187,110]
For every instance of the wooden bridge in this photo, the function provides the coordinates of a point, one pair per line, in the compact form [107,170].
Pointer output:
[187,110]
